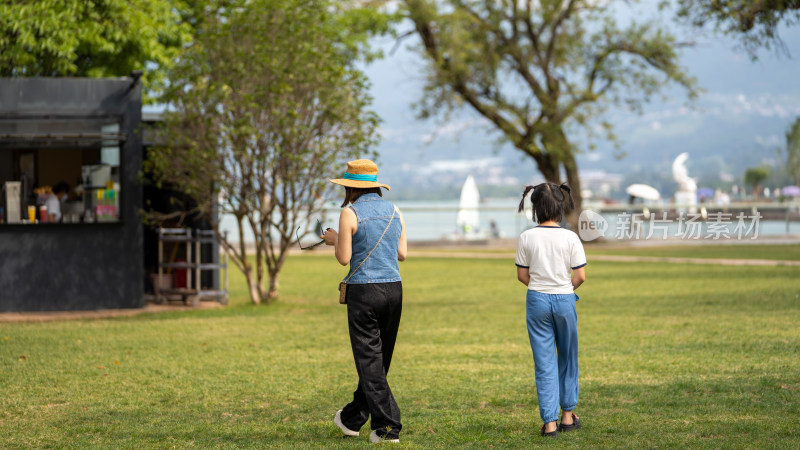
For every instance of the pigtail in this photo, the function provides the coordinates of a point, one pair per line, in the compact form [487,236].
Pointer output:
[522,202]
[568,190]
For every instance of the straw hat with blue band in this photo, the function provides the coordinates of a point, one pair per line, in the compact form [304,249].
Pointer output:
[361,173]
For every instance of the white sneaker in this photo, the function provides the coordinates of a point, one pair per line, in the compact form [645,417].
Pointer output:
[375,439]
[337,419]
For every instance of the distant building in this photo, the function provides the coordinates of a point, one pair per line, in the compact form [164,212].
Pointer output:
[600,182]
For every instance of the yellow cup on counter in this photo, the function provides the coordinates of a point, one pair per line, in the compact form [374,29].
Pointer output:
[32,213]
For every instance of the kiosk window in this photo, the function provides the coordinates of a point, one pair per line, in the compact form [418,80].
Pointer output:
[60,172]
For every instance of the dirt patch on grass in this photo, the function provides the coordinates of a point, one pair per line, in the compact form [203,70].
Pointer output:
[149,308]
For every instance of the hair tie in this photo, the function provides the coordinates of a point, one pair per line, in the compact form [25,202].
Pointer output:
[569,191]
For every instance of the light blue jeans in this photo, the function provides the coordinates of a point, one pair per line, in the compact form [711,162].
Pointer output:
[553,332]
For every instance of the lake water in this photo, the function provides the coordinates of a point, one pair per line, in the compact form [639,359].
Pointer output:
[436,220]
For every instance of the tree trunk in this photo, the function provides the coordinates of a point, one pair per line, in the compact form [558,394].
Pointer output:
[272,294]
[247,268]
[574,182]
[548,167]
[253,288]
[556,143]
[275,268]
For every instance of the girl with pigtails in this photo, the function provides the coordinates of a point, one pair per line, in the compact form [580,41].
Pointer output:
[551,263]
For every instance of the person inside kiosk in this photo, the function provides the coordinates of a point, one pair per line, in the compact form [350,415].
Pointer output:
[53,202]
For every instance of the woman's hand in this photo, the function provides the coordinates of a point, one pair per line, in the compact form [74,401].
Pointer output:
[330,236]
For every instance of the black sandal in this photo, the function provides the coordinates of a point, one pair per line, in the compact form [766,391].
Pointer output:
[550,433]
[575,425]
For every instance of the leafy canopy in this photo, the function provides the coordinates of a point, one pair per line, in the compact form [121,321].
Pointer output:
[754,176]
[91,38]
[754,23]
[265,107]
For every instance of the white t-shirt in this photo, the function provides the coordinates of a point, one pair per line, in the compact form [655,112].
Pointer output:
[53,206]
[550,253]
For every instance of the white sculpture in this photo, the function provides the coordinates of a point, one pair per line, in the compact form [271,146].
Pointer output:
[686,195]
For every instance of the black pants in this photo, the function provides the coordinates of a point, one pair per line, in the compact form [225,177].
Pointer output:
[373,316]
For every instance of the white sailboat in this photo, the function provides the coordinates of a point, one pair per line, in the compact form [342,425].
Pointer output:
[468,219]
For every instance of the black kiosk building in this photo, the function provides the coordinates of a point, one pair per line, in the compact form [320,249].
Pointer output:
[85,132]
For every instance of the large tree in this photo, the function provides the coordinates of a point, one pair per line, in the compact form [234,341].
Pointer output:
[263,109]
[541,71]
[753,22]
[92,38]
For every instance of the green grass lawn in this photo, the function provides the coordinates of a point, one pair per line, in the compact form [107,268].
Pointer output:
[785,252]
[781,252]
[671,356]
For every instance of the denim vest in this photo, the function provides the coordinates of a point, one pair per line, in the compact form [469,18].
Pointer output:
[373,215]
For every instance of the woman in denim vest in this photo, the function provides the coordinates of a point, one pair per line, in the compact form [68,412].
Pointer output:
[372,239]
